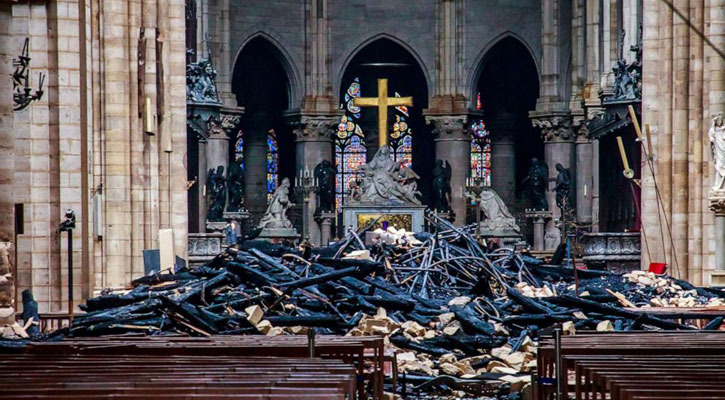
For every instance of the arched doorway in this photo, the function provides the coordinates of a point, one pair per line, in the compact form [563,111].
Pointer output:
[506,90]
[410,137]
[262,86]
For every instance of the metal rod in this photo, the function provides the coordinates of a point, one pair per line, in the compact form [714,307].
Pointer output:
[70,276]
[559,377]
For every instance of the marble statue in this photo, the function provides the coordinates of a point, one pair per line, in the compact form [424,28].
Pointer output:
[235,186]
[216,194]
[563,186]
[276,214]
[717,144]
[498,217]
[442,186]
[386,182]
[538,182]
[325,176]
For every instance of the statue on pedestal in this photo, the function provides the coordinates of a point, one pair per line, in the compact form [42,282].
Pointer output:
[442,186]
[498,216]
[563,186]
[276,214]
[388,182]
[325,176]
[235,186]
[538,182]
[717,144]
[216,194]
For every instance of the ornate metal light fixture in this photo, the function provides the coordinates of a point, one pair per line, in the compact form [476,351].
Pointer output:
[22,93]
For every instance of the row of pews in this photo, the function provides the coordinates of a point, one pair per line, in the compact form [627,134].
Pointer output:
[180,367]
[634,366]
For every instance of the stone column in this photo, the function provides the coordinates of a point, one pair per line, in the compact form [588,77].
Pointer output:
[584,175]
[216,150]
[503,157]
[559,147]
[453,143]
[313,143]
[255,173]
[7,169]
[201,181]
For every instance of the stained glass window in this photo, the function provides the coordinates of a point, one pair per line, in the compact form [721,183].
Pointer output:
[272,163]
[239,149]
[350,149]
[481,152]
[401,138]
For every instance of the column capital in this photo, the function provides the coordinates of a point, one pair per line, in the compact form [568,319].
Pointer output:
[581,130]
[717,202]
[449,127]
[223,126]
[555,127]
[313,128]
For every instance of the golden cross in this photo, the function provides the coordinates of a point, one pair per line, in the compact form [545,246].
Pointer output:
[382,102]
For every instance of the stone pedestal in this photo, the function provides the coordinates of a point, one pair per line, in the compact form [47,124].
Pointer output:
[238,218]
[613,251]
[410,218]
[453,143]
[279,235]
[539,219]
[325,221]
[203,247]
[717,205]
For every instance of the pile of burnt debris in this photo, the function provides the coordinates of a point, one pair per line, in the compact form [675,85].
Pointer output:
[451,311]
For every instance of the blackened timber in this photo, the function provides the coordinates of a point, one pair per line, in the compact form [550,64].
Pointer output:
[528,303]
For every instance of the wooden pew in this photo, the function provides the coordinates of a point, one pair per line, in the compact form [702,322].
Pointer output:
[635,365]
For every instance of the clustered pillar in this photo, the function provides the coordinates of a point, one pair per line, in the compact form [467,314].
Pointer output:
[313,143]
[453,144]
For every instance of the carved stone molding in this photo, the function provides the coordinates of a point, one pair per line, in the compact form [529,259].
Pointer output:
[449,127]
[717,202]
[222,127]
[555,128]
[617,252]
[316,128]
[580,128]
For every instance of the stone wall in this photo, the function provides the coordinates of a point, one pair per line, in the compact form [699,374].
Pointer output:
[83,142]
[682,89]
[354,23]
[7,231]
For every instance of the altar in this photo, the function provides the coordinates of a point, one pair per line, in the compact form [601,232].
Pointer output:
[387,192]
[408,217]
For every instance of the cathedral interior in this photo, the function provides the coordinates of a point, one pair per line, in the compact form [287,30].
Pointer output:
[270,92]
[455,189]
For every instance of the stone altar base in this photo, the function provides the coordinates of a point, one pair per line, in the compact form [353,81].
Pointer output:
[279,235]
[409,217]
[613,251]
[509,239]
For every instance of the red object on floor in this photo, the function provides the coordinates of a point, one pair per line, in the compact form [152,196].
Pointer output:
[658,268]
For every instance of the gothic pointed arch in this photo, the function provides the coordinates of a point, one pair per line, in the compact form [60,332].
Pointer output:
[409,137]
[339,83]
[504,89]
[278,50]
[262,84]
